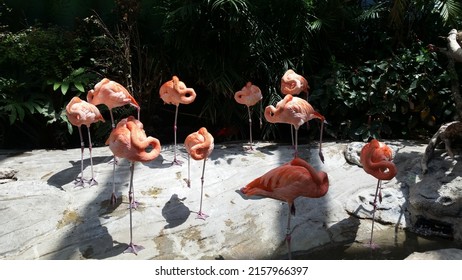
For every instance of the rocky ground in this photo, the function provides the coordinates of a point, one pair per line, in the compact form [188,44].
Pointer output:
[44,216]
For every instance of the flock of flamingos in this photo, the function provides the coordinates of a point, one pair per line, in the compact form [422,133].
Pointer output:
[287,182]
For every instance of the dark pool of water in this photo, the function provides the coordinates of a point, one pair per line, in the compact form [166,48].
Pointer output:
[391,246]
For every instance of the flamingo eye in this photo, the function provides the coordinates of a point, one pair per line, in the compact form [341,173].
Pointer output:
[272,114]
[187,95]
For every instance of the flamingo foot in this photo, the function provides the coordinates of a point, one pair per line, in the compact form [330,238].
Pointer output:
[113,199]
[372,245]
[132,248]
[92,182]
[177,162]
[79,182]
[201,215]
[133,205]
[248,148]
[188,182]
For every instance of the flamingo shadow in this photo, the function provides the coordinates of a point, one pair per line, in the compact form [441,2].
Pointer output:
[68,175]
[175,212]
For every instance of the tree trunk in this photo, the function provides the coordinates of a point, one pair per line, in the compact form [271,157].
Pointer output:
[452,131]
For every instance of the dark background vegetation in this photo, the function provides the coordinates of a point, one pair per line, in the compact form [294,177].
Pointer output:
[367,64]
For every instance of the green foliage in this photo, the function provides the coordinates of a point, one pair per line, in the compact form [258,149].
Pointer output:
[403,96]
[367,73]
[34,63]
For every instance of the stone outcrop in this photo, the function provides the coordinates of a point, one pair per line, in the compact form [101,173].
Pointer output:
[44,216]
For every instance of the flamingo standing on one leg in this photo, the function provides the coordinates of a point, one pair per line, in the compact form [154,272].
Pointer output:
[294,84]
[175,92]
[128,140]
[294,111]
[286,183]
[249,95]
[376,160]
[199,146]
[80,112]
[112,94]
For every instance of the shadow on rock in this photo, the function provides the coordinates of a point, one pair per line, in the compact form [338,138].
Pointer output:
[69,175]
[175,212]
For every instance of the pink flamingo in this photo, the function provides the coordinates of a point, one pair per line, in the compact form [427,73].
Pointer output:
[80,112]
[294,84]
[128,140]
[249,95]
[112,94]
[288,182]
[199,146]
[294,111]
[376,158]
[175,92]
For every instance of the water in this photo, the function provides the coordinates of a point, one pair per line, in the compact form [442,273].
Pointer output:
[391,246]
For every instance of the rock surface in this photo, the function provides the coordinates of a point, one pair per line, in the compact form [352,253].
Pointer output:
[443,254]
[44,216]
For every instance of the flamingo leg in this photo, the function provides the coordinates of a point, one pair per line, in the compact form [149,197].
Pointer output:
[288,231]
[296,142]
[188,182]
[114,163]
[132,248]
[379,185]
[250,127]
[321,156]
[113,195]
[79,181]
[92,181]
[131,194]
[200,214]
[292,135]
[175,160]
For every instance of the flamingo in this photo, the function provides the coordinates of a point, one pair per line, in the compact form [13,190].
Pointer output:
[80,112]
[199,146]
[175,92]
[294,111]
[128,140]
[376,158]
[293,83]
[288,182]
[249,95]
[112,94]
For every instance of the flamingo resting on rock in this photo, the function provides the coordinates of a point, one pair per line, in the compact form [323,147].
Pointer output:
[294,111]
[128,140]
[175,92]
[376,159]
[80,112]
[249,95]
[112,94]
[286,183]
[199,146]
